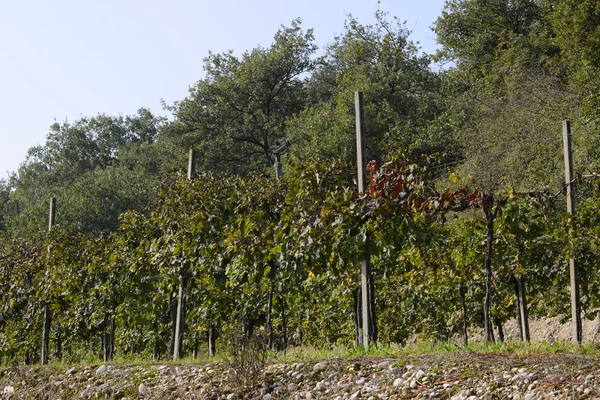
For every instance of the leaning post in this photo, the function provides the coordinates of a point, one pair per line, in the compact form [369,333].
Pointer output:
[576,328]
[365,266]
[179,318]
[47,311]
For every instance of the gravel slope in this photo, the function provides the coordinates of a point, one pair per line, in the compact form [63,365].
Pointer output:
[463,376]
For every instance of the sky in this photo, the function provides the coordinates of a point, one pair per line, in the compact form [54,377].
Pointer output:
[65,59]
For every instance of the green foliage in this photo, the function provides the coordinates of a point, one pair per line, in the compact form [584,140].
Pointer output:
[398,85]
[277,260]
[97,168]
[239,111]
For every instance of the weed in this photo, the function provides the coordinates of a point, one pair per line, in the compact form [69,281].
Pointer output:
[246,360]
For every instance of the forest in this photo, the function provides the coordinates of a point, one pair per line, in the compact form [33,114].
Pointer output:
[463,219]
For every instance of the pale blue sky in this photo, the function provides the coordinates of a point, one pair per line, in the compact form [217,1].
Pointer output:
[64,59]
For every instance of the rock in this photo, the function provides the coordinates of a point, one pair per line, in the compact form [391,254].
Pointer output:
[355,395]
[71,371]
[321,366]
[320,386]
[267,397]
[587,392]
[101,370]
[473,398]
[8,391]
[231,396]
[292,387]
[85,394]
[383,364]
[413,384]
[419,374]
[529,396]
[143,390]
[399,382]
[308,396]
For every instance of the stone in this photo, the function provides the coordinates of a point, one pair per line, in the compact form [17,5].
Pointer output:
[399,382]
[8,391]
[529,396]
[321,366]
[413,384]
[320,386]
[101,370]
[355,395]
[308,396]
[419,374]
[71,371]
[267,397]
[85,394]
[292,387]
[143,390]
[383,364]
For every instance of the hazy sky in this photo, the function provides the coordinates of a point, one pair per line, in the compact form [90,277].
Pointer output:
[64,59]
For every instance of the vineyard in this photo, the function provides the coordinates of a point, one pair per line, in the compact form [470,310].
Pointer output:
[465,219]
[280,260]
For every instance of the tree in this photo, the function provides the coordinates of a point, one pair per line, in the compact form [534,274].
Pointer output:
[96,167]
[240,109]
[507,92]
[398,85]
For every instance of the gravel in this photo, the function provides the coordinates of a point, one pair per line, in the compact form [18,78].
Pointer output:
[459,377]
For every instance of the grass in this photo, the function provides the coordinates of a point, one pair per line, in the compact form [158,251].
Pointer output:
[411,351]
[420,349]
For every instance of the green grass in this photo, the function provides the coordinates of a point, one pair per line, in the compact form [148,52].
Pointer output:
[405,354]
[517,349]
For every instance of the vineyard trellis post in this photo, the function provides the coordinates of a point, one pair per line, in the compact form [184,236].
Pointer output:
[576,327]
[179,320]
[367,295]
[47,311]
[523,313]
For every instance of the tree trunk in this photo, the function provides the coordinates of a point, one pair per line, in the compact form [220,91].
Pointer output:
[358,318]
[489,217]
[270,318]
[523,309]
[284,323]
[463,302]
[500,329]
[59,354]
[515,284]
[212,340]
[373,331]
[46,334]
[196,347]
[173,317]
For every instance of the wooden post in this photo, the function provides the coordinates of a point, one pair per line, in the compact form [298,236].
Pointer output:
[191,163]
[576,328]
[278,169]
[365,267]
[52,216]
[47,311]
[523,314]
[179,318]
